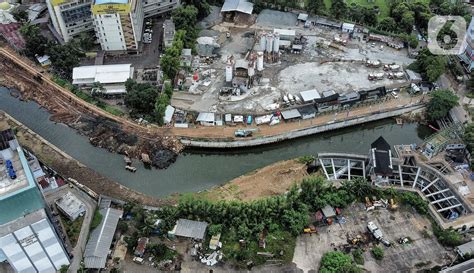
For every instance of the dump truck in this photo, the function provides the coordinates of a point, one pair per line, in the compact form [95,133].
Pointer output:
[376,232]
[376,76]
[391,67]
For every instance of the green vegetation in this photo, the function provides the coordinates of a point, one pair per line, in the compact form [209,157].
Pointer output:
[441,102]
[336,261]
[214,229]
[469,138]
[63,268]
[358,256]
[140,99]
[185,20]
[20,15]
[306,159]
[430,66]
[73,228]
[448,237]
[377,253]
[96,219]
[161,252]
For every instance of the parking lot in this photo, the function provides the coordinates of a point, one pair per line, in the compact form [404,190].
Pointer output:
[422,252]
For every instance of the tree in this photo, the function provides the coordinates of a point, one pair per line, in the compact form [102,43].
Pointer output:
[185,19]
[160,108]
[388,24]
[122,226]
[370,16]
[335,262]
[316,6]
[377,253]
[214,229]
[429,65]
[441,102]
[35,42]
[64,58]
[63,268]
[86,40]
[407,22]
[338,9]
[140,98]
[20,15]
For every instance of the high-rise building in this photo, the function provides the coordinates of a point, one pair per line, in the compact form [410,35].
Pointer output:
[155,7]
[28,240]
[118,24]
[467,55]
[70,17]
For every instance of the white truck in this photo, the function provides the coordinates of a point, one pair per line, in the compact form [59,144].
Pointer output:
[377,233]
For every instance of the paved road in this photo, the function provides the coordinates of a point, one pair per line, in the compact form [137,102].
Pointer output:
[90,209]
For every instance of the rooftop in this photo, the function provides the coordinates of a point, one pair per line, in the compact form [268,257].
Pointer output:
[310,95]
[114,73]
[100,2]
[190,229]
[98,246]
[70,205]
[290,114]
[237,5]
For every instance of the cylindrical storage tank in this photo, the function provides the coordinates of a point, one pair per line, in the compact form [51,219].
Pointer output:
[228,73]
[263,41]
[269,47]
[251,71]
[259,61]
[276,43]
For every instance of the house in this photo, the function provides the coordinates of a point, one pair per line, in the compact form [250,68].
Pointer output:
[328,212]
[285,34]
[71,206]
[98,246]
[327,23]
[413,77]
[346,27]
[111,77]
[234,8]
[189,229]
[380,159]
[290,114]
[307,112]
[464,267]
[206,119]
[141,246]
[44,60]
[466,249]
[168,114]
[205,46]
[169,30]
[186,57]
[310,95]
[303,17]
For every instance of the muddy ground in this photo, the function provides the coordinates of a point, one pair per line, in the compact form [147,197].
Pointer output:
[101,131]
[69,167]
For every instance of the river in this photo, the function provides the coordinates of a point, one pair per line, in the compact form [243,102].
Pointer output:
[197,170]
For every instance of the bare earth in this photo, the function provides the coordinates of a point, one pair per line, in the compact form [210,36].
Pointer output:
[270,180]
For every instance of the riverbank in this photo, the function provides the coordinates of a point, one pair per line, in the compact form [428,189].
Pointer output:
[69,167]
[104,130]
[274,179]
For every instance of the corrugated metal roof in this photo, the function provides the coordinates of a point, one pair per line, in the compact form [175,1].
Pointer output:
[190,229]
[284,32]
[168,114]
[97,248]
[467,248]
[115,73]
[289,114]
[310,95]
[303,16]
[237,5]
[206,117]
[328,211]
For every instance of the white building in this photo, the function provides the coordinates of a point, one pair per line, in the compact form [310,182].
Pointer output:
[347,27]
[71,206]
[155,7]
[118,24]
[28,241]
[70,17]
[112,77]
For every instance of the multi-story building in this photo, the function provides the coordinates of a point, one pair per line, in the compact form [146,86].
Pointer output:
[467,55]
[118,24]
[70,17]
[155,7]
[28,240]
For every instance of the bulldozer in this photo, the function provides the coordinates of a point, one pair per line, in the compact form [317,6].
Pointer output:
[310,229]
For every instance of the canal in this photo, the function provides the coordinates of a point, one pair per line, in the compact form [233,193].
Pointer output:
[197,170]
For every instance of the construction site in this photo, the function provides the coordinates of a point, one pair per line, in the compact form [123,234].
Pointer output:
[257,69]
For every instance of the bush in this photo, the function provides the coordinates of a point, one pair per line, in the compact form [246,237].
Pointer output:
[377,253]
[336,261]
[415,201]
[358,256]
[215,229]
[306,159]
[447,237]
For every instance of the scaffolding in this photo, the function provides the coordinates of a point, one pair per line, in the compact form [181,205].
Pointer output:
[437,142]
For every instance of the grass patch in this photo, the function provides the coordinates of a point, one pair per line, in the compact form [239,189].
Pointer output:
[114,111]
[73,228]
[358,256]
[377,253]
[280,243]
[306,159]
[96,219]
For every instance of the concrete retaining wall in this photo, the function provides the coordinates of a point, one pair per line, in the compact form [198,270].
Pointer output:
[302,132]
